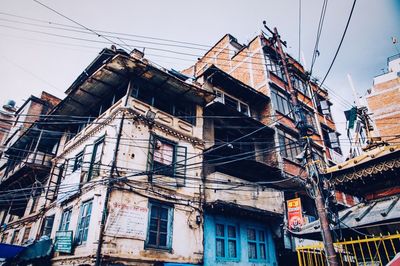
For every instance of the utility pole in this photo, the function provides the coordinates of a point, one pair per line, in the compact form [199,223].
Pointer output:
[313,174]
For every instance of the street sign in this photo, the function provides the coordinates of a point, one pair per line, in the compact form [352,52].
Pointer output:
[295,216]
[63,242]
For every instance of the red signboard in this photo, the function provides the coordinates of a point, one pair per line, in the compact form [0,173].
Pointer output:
[295,216]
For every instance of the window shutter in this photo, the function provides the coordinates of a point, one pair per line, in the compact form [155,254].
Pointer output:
[150,157]
[69,164]
[180,165]
[87,156]
[333,140]
[325,107]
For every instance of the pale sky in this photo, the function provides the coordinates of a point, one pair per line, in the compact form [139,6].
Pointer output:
[31,61]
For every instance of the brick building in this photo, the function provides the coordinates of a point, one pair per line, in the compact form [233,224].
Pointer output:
[229,67]
[383,101]
[149,166]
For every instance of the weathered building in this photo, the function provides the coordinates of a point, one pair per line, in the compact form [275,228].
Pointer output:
[126,173]
[372,226]
[383,101]
[147,166]
[250,79]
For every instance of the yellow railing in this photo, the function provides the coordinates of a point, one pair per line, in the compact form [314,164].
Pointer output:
[366,251]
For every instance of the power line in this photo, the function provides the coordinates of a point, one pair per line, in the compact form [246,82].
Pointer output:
[151,48]
[340,44]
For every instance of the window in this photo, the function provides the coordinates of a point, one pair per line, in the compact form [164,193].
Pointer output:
[300,85]
[160,226]
[257,245]
[14,238]
[232,102]
[226,241]
[274,65]
[323,106]
[35,200]
[4,238]
[331,139]
[282,103]
[288,145]
[78,161]
[168,103]
[309,117]
[95,164]
[83,222]
[166,158]
[25,237]
[47,226]
[65,220]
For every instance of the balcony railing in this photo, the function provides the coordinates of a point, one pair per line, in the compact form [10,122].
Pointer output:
[33,159]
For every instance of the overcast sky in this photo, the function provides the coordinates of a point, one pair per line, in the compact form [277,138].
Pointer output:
[36,56]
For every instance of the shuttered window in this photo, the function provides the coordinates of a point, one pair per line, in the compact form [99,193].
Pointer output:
[95,164]
[65,220]
[48,226]
[257,245]
[83,222]
[159,233]
[166,158]
[226,241]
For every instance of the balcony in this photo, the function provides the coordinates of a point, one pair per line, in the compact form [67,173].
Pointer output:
[34,166]
[252,157]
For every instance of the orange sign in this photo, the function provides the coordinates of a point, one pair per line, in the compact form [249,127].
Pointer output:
[295,215]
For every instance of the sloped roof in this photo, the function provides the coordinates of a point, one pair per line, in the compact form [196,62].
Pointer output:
[362,215]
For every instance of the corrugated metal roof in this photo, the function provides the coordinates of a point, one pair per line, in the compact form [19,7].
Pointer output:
[361,215]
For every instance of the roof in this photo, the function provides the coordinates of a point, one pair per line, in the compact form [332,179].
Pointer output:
[367,214]
[376,161]
[109,73]
[233,86]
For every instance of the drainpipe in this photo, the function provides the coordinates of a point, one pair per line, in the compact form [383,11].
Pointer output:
[109,184]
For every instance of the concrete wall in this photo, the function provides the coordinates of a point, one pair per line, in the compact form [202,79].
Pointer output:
[187,236]
[268,199]
[187,245]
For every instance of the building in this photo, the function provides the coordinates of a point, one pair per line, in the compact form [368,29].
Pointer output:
[6,119]
[258,65]
[142,165]
[383,101]
[116,122]
[371,227]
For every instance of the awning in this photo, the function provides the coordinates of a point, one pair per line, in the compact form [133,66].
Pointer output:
[9,251]
[37,250]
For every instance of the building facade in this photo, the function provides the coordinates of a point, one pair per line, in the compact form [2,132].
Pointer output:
[140,165]
[383,101]
[277,153]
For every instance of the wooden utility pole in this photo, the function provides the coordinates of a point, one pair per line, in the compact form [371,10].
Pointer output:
[313,174]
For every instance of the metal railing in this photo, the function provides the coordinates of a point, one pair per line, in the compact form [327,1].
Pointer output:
[374,250]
